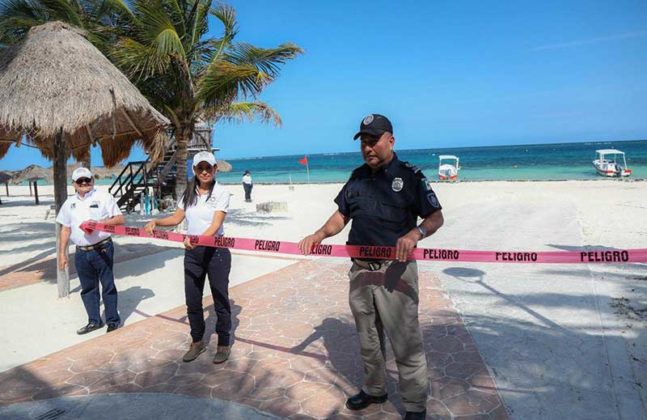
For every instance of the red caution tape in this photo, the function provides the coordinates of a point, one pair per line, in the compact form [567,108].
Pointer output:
[585,255]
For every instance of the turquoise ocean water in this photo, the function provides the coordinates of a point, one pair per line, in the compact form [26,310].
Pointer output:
[564,161]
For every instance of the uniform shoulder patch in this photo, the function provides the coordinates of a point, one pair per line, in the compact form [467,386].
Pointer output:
[411,167]
[417,173]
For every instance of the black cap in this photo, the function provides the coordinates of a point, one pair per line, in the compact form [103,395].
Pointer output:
[374,125]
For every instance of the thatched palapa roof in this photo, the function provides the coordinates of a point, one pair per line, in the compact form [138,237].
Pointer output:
[32,173]
[56,79]
[223,166]
[5,177]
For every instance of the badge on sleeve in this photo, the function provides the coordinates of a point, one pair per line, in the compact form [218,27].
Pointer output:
[397,184]
[433,200]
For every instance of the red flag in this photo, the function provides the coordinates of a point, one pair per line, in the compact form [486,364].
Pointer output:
[304,161]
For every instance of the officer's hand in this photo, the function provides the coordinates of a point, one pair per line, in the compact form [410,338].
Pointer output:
[405,246]
[87,229]
[306,244]
[187,243]
[150,226]
[62,262]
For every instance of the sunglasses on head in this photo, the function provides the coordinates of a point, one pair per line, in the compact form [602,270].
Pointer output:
[83,180]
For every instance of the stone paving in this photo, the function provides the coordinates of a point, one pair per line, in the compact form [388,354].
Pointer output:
[295,354]
[33,271]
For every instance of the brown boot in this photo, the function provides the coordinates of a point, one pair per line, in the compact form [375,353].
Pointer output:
[194,351]
[222,354]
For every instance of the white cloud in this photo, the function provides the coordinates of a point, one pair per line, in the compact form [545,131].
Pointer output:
[572,44]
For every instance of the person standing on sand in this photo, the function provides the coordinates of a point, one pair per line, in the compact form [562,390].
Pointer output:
[94,250]
[247,186]
[384,198]
[204,204]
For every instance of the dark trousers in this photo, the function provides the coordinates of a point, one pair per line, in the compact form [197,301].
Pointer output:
[248,191]
[94,267]
[216,263]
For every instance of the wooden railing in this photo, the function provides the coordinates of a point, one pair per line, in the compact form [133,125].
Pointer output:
[131,178]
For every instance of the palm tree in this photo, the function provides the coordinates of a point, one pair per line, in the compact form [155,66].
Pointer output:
[189,75]
[163,46]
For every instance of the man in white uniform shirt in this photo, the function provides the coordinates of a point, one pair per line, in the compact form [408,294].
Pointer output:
[94,249]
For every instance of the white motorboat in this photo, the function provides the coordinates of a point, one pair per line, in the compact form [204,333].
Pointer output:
[611,162]
[448,167]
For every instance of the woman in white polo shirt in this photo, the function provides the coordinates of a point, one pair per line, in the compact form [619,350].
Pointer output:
[204,204]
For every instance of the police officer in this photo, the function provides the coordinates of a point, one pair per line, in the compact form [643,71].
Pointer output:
[204,204]
[384,198]
[94,249]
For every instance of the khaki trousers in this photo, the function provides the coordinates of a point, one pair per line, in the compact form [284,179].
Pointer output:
[386,300]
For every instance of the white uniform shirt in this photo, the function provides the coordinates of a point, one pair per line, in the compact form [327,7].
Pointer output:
[96,205]
[247,179]
[200,215]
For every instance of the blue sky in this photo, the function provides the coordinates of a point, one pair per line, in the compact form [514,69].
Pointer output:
[447,73]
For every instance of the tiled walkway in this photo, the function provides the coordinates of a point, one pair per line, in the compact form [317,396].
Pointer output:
[295,354]
[33,271]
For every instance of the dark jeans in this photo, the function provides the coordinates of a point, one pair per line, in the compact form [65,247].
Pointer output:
[216,263]
[94,267]
[248,191]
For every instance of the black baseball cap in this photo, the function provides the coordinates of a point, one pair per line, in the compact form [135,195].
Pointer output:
[374,125]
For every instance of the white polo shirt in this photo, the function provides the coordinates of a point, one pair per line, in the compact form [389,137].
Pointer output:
[200,215]
[96,205]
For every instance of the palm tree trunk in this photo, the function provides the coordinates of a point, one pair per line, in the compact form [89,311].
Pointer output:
[60,195]
[182,136]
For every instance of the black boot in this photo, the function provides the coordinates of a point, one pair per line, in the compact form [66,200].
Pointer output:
[363,400]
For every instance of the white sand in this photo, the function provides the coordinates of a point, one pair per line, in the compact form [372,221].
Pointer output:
[500,304]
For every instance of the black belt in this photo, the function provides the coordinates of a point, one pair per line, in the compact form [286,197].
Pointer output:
[372,265]
[94,246]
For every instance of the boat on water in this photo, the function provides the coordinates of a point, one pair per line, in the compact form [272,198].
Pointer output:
[448,167]
[611,162]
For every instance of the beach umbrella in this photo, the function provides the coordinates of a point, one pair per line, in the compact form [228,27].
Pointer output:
[61,95]
[5,177]
[223,166]
[101,172]
[31,173]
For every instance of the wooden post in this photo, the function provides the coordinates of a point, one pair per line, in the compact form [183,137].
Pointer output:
[36,191]
[30,193]
[60,195]
[6,185]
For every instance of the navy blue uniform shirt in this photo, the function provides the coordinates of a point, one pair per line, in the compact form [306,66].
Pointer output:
[385,205]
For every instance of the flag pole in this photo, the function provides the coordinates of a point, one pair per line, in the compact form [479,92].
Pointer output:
[308,170]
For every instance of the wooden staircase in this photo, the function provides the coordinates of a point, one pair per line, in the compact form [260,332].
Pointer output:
[138,176]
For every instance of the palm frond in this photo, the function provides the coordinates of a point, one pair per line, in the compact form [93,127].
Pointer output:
[267,60]
[138,60]
[239,112]
[63,10]
[227,16]
[224,82]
